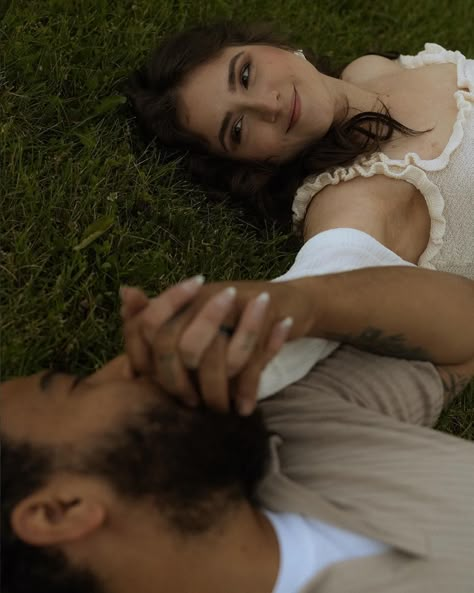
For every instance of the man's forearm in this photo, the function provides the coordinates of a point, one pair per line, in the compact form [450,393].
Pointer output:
[398,311]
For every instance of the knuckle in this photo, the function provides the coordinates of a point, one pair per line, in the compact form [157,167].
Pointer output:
[234,365]
[246,344]
[190,359]
[190,355]
[148,316]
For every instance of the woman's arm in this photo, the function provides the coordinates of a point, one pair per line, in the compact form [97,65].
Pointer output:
[399,311]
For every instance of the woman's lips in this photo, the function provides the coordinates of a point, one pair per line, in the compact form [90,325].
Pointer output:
[295,111]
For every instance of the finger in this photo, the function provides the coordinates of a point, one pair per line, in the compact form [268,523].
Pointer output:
[278,336]
[173,377]
[247,334]
[133,300]
[139,330]
[249,380]
[163,307]
[137,347]
[203,329]
[247,385]
[212,376]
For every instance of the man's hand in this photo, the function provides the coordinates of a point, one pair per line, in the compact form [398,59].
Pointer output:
[215,340]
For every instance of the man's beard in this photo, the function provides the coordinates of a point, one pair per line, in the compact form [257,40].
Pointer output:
[195,464]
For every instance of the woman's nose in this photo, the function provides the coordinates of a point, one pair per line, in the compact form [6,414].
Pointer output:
[267,106]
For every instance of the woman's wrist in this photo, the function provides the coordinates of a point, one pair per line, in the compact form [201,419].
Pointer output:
[312,298]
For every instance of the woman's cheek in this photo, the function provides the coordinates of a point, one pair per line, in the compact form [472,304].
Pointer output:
[267,146]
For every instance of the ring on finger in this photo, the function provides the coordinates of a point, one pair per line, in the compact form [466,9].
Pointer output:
[226,330]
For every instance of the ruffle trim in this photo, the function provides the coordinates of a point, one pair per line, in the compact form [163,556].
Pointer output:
[412,168]
[435,54]
[374,166]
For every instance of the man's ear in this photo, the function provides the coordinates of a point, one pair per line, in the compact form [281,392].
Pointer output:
[68,508]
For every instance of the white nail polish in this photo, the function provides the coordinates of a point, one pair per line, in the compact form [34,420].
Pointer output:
[194,282]
[226,296]
[263,298]
[286,323]
[199,279]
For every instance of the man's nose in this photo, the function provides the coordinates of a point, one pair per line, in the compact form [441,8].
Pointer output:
[267,106]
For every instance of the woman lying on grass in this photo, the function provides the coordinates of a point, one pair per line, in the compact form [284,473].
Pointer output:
[386,148]
[374,167]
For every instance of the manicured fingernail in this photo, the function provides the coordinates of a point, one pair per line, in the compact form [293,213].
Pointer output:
[226,296]
[244,407]
[262,299]
[194,282]
[287,323]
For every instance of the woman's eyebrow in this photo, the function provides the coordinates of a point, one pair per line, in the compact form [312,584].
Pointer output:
[232,86]
[223,130]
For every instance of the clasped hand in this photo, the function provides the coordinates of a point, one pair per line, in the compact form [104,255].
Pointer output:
[211,342]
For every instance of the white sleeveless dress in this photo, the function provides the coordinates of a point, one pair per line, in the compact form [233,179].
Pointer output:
[446,182]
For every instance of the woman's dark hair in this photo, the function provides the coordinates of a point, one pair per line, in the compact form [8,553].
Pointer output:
[153,91]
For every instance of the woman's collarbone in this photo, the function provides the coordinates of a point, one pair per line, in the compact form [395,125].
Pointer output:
[411,103]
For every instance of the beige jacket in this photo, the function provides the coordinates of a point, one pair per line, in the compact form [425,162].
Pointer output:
[353,447]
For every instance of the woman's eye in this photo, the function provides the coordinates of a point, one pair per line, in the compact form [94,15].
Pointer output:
[237,131]
[245,76]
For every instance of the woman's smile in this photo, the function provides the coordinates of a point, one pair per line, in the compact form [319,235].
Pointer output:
[248,101]
[295,110]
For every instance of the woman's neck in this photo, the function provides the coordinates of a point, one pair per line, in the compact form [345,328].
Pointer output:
[350,99]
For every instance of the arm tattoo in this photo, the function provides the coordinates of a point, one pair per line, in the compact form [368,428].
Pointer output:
[373,340]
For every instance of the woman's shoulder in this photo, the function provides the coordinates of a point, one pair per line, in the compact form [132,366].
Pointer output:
[368,67]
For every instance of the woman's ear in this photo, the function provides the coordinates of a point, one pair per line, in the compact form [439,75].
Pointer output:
[67,509]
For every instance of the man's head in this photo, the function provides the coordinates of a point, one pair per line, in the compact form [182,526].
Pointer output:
[85,462]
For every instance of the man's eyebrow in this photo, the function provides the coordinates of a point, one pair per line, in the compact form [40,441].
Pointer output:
[77,380]
[231,84]
[47,377]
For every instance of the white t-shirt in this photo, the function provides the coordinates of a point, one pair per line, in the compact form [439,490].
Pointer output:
[308,546]
[336,250]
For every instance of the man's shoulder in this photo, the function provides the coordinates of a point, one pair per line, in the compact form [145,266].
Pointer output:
[351,381]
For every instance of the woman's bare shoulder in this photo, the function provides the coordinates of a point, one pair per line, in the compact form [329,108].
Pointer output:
[391,210]
[368,67]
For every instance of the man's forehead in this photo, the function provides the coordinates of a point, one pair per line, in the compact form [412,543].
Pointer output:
[44,409]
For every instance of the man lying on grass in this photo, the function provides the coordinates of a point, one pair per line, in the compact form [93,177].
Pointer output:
[336,483]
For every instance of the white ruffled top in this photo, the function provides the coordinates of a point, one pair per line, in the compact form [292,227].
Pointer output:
[446,182]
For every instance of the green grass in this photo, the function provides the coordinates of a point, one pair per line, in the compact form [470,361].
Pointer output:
[71,165]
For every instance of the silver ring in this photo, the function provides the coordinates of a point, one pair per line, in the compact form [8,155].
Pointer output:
[226,330]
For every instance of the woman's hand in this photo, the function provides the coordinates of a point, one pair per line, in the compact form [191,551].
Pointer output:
[197,341]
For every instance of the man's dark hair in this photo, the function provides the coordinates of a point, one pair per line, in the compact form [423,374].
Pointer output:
[197,465]
[27,568]
[261,187]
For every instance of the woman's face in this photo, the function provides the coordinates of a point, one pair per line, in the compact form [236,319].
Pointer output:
[257,102]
